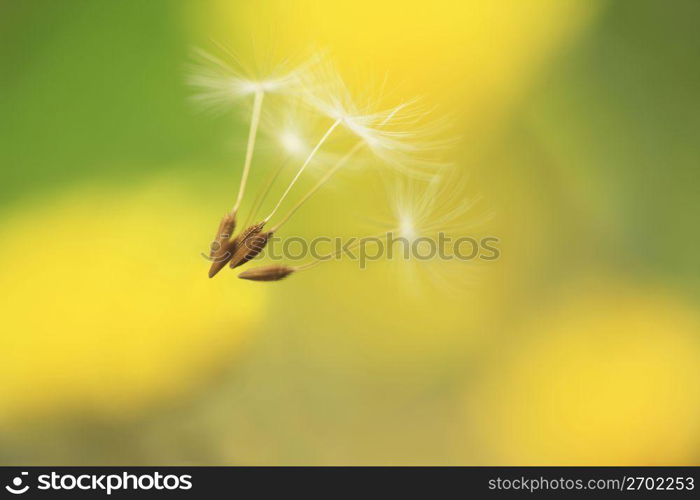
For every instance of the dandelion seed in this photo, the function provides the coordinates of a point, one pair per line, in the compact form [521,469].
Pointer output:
[222,258]
[222,247]
[219,84]
[399,136]
[267,273]
[223,233]
[244,244]
[254,245]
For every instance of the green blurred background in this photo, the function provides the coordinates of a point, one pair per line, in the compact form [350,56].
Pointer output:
[579,124]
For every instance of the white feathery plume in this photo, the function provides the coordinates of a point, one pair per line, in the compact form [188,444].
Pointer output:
[326,92]
[421,211]
[402,136]
[219,84]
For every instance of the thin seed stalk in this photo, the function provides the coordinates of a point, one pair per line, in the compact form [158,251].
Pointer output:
[252,134]
[303,167]
[323,180]
[328,175]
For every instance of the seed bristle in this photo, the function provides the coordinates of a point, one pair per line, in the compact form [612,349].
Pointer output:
[267,273]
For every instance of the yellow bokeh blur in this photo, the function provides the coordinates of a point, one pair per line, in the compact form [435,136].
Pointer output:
[469,60]
[605,375]
[107,309]
[482,53]
[570,120]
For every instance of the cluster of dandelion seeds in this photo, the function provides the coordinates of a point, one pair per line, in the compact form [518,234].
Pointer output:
[311,93]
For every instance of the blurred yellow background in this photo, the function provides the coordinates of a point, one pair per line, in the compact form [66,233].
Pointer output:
[577,124]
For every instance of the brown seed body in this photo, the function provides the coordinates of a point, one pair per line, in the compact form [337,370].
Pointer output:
[267,273]
[222,258]
[244,243]
[222,248]
[223,233]
[256,245]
